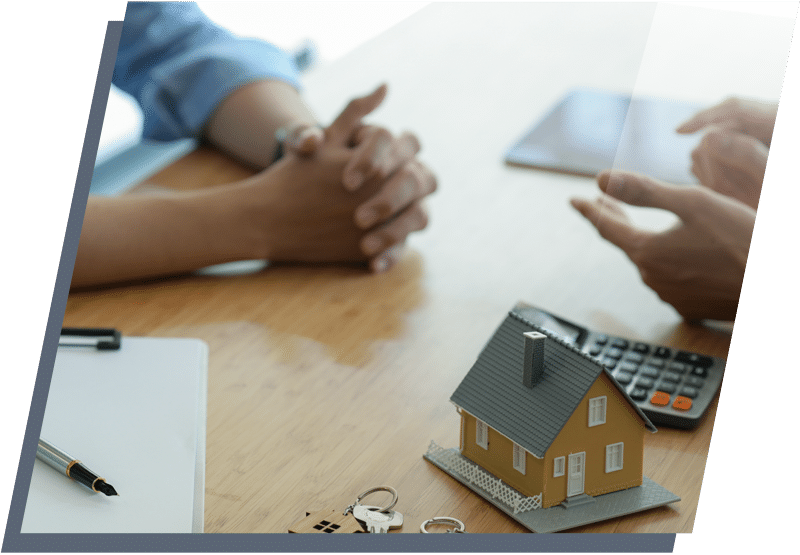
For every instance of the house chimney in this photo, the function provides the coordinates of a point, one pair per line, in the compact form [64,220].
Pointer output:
[533,365]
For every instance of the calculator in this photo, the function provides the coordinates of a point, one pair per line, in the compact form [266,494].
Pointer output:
[672,387]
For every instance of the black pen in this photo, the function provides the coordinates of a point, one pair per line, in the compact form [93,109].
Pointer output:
[72,468]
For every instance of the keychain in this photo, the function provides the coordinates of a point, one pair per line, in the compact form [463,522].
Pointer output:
[447,520]
[355,518]
[377,520]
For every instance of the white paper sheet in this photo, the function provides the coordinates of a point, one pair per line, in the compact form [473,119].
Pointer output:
[137,418]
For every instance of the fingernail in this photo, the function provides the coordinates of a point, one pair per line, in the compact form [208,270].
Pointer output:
[309,132]
[354,180]
[366,216]
[371,245]
[380,265]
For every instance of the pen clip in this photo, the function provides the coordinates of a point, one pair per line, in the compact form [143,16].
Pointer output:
[103,339]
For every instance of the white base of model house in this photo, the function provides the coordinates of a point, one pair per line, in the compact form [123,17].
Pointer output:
[554,519]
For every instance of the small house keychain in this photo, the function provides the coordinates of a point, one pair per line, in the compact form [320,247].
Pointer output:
[330,521]
[354,519]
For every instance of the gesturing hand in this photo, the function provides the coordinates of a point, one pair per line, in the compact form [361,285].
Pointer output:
[698,265]
[749,117]
[732,164]
[395,208]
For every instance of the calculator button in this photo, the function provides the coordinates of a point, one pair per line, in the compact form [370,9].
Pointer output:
[609,363]
[660,399]
[649,372]
[694,358]
[645,383]
[667,387]
[601,339]
[594,351]
[662,352]
[638,394]
[682,403]
[672,377]
[690,392]
[620,343]
[642,348]
[634,357]
[650,368]
[694,381]
[628,367]
[678,367]
[623,378]
[658,363]
[700,372]
[614,352]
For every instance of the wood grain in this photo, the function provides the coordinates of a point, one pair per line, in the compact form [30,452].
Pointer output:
[326,381]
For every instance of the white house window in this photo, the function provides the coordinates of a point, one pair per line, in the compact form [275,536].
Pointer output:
[613,457]
[481,434]
[519,458]
[597,411]
[558,467]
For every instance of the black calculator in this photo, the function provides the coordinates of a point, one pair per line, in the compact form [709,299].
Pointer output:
[672,387]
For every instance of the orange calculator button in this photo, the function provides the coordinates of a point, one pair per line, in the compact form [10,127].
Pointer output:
[660,399]
[682,403]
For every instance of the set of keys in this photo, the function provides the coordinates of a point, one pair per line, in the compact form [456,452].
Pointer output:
[355,518]
[374,519]
[377,520]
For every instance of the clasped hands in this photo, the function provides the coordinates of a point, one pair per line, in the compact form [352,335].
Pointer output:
[348,193]
[697,265]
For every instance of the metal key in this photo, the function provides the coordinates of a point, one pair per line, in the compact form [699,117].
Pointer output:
[375,521]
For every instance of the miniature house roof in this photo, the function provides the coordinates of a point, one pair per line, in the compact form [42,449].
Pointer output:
[493,389]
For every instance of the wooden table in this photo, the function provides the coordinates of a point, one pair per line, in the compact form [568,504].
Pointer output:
[326,381]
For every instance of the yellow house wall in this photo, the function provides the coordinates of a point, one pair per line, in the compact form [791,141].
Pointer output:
[499,458]
[622,425]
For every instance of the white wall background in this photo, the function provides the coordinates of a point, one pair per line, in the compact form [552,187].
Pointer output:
[338,27]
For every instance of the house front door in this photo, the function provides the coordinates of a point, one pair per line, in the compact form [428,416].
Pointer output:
[576,471]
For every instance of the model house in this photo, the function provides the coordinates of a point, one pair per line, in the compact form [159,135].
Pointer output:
[547,419]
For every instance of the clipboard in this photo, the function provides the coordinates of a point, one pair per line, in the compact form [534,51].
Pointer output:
[145,400]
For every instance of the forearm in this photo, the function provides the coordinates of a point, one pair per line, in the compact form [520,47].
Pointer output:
[139,236]
[244,124]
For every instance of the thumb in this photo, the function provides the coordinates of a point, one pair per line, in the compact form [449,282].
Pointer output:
[347,121]
[641,190]
[304,139]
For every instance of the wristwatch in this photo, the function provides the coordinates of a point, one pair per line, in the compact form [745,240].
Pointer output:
[280,139]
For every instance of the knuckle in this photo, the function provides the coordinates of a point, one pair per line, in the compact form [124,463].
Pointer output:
[390,236]
[413,141]
[697,199]
[421,217]
[382,135]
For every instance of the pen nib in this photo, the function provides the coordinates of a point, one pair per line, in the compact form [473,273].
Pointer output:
[106,488]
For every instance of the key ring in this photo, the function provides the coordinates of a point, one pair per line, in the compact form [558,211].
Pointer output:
[459,526]
[370,492]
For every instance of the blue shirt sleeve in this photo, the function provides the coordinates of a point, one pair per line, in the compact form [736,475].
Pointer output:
[179,66]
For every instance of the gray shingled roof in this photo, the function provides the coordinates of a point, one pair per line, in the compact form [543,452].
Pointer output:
[493,391]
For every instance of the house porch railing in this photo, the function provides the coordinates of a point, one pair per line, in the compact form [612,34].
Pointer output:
[454,462]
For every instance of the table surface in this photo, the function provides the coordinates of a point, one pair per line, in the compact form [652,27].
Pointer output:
[326,381]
